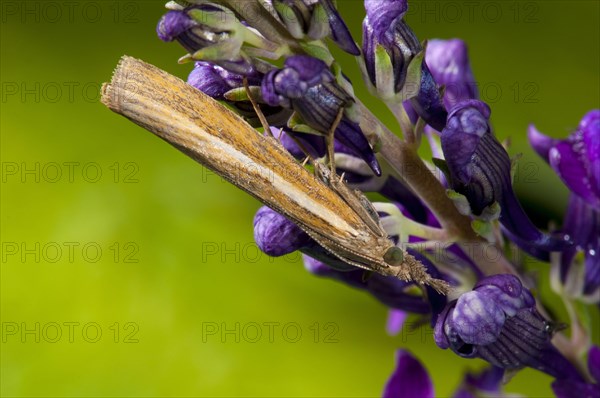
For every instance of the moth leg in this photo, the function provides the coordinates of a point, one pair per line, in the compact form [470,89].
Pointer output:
[329,139]
[261,116]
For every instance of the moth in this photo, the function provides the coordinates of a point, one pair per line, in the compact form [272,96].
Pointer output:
[340,219]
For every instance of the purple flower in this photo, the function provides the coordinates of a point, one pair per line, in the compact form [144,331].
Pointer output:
[215,81]
[576,160]
[275,235]
[209,32]
[389,48]
[480,170]
[448,61]
[580,389]
[498,322]
[409,379]
[384,27]
[306,85]
[486,383]
[428,103]
[304,18]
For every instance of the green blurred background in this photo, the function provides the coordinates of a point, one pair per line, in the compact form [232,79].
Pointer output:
[106,229]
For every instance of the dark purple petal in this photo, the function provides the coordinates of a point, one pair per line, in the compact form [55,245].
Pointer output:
[307,86]
[269,93]
[487,382]
[350,135]
[499,323]
[173,24]
[276,235]
[205,78]
[540,143]
[525,341]
[383,14]
[575,389]
[389,290]
[477,318]
[572,168]
[448,61]
[428,104]
[439,332]
[590,128]
[410,379]
[508,284]
[524,233]
[313,144]
[594,362]
[310,71]
[480,170]
[340,33]
[582,226]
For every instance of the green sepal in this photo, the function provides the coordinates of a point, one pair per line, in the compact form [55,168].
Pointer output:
[240,94]
[222,20]
[484,229]
[317,49]
[490,213]
[291,22]
[460,201]
[583,315]
[319,23]
[384,74]
[412,84]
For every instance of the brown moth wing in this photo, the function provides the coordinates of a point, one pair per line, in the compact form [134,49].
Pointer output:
[222,141]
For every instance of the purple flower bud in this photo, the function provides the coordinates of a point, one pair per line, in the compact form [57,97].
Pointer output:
[303,18]
[384,26]
[448,61]
[306,85]
[275,235]
[498,322]
[173,24]
[480,170]
[211,80]
[409,379]
[195,31]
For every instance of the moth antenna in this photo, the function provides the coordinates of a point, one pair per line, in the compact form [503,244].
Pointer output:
[259,113]
[330,138]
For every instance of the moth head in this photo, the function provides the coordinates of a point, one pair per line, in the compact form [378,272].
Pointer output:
[394,256]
